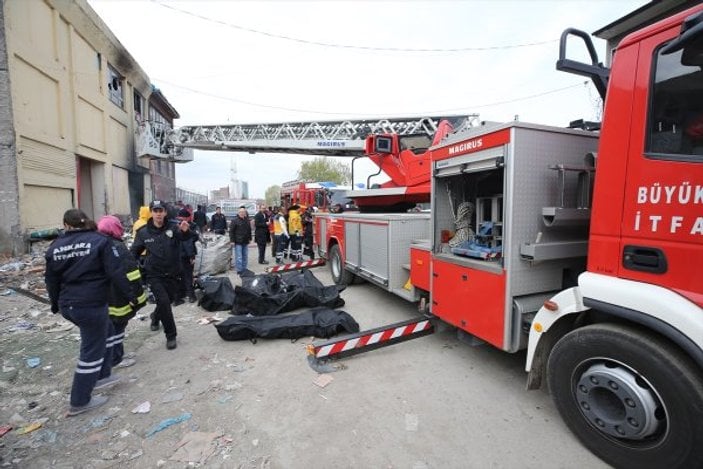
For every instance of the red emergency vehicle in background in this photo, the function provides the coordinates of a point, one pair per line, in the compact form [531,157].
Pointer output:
[324,196]
[580,247]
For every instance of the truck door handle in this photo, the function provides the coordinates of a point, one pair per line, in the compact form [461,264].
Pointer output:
[644,259]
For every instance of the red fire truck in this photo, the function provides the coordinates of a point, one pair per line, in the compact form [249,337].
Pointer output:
[581,247]
[325,196]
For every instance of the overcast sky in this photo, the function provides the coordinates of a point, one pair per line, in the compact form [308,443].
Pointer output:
[264,61]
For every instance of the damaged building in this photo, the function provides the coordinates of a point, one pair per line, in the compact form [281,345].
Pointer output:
[73,102]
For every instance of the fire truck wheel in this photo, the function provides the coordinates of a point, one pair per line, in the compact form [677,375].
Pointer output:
[630,396]
[340,275]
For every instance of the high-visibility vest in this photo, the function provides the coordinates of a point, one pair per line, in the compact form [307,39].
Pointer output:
[277,230]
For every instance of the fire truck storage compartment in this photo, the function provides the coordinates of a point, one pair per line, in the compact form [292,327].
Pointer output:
[420,264]
[377,247]
[509,186]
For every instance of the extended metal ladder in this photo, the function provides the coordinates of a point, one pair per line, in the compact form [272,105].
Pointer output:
[325,138]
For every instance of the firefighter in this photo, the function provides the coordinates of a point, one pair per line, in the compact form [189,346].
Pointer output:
[280,229]
[295,231]
[144,215]
[160,239]
[80,265]
[307,233]
[119,307]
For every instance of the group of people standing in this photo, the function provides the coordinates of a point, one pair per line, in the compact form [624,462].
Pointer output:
[95,282]
[290,232]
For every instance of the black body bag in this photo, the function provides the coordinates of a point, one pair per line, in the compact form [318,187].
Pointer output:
[318,322]
[271,294]
[218,294]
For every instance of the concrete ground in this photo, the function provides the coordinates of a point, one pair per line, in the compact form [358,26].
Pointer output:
[433,402]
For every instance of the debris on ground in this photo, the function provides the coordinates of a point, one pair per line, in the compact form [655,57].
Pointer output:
[142,408]
[33,362]
[164,424]
[323,380]
[29,428]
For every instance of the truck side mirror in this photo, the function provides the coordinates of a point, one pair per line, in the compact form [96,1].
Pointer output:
[595,70]
[690,40]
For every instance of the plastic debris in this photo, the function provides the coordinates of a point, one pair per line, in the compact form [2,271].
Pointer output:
[22,326]
[47,436]
[29,428]
[33,362]
[225,399]
[209,320]
[142,408]
[12,267]
[167,423]
[5,429]
[101,421]
[8,292]
[323,380]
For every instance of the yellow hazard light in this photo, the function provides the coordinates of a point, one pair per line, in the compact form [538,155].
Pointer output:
[551,305]
[311,349]
[538,326]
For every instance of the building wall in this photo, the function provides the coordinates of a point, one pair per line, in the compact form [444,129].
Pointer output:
[67,128]
[10,231]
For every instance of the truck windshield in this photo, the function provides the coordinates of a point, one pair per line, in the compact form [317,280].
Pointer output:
[339,201]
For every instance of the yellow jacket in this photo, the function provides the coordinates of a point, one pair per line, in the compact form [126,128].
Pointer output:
[144,215]
[295,223]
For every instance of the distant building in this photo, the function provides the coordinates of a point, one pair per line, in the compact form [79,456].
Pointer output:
[240,189]
[71,100]
[219,194]
[190,198]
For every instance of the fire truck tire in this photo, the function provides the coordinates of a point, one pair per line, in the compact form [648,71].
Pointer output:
[631,397]
[340,275]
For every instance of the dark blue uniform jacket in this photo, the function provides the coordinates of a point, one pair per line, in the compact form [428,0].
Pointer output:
[80,266]
[162,246]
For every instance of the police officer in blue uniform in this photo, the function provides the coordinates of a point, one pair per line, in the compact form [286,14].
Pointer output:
[80,266]
[161,240]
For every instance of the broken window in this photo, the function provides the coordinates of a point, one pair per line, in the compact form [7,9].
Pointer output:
[114,87]
[138,107]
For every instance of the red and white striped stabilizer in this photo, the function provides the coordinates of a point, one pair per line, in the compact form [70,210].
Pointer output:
[295,266]
[370,340]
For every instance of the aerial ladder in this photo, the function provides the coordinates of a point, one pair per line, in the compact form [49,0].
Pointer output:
[403,159]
